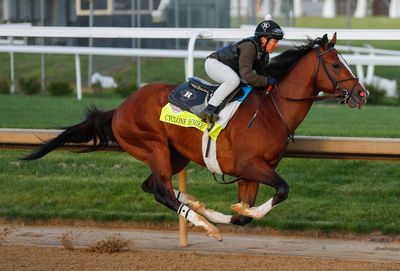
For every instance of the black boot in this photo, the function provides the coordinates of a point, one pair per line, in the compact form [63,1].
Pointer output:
[208,114]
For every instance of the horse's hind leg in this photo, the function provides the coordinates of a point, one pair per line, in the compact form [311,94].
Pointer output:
[178,162]
[160,184]
[200,207]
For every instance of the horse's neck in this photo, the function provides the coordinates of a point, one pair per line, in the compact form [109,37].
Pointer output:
[298,83]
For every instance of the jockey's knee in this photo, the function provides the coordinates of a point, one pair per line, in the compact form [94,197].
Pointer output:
[233,82]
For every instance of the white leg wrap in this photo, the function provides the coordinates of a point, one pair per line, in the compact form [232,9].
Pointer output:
[182,197]
[217,217]
[191,215]
[254,212]
[262,210]
[211,215]
[199,221]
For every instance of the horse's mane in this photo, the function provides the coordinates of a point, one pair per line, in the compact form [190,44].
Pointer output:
[279,65]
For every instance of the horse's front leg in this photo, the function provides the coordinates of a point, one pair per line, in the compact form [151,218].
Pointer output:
[262,173]
[247,193]
[200,207]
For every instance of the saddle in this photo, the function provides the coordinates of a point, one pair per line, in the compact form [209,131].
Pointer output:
[193,95]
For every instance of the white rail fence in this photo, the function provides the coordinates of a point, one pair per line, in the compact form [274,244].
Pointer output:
[370,57]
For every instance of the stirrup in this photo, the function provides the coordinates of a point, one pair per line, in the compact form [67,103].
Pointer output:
[210,118]
[208,114]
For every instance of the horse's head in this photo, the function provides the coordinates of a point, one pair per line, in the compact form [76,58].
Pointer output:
[333,75]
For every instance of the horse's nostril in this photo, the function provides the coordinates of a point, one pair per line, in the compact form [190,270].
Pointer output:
[362,93]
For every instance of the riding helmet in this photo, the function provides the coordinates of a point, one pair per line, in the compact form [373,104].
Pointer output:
[269,29]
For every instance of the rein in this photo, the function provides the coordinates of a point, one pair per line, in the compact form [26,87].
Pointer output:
[314,98]
[336,86]
[338,92]
[343,93]
[224,181]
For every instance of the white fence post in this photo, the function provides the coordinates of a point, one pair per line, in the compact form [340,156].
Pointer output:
[394,9]
[361,10]
[360,71]
[329,9]
[12,85]
[78,77]
[190,58]
[370,69]
[298,8]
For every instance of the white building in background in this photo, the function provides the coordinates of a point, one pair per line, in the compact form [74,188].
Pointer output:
[394,9]
[272,7]
[297,8]
[323,8]
[361,9]
[329,9]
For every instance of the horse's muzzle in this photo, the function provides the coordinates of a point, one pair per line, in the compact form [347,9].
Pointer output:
[357,98]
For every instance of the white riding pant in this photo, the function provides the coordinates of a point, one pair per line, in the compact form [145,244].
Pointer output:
[223,74]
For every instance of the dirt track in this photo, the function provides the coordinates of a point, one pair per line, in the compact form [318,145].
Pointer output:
[41,248]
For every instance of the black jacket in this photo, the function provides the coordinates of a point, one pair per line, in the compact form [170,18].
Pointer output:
[245,57]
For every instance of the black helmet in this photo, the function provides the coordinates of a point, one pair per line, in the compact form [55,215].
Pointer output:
[269,29]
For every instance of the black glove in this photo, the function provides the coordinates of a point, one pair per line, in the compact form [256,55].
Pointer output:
[271,81]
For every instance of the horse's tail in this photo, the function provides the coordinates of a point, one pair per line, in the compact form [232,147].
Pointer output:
[96,128]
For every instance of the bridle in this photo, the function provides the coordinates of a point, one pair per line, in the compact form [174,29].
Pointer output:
[339,92]
[336,84]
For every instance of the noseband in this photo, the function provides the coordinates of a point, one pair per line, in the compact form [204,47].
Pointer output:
[345,94]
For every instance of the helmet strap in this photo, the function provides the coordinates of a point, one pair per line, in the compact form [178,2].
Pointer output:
[264,47]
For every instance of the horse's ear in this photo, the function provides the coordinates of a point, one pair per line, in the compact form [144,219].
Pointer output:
[324,42]
[333,41]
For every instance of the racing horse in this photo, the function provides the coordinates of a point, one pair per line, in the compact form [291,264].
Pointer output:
[250,153]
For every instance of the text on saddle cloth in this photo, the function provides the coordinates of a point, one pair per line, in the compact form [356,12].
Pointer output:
[184,99]
[174,115]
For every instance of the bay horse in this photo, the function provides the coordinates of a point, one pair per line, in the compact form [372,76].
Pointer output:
[249,153]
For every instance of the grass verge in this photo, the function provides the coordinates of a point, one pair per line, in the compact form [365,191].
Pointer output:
[326,195]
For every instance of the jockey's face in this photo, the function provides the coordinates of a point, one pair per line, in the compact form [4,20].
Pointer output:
[269,45]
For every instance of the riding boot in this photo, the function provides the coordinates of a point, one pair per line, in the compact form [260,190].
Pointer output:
[208,114]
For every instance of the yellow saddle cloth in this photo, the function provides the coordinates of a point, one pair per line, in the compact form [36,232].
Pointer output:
[174,115]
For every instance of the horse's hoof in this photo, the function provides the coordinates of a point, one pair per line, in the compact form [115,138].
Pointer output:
[189,224]
[215,234]
[240,207]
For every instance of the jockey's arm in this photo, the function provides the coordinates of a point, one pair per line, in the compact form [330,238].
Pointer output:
[246,58]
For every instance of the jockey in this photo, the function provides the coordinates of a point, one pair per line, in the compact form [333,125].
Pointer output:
[233,62]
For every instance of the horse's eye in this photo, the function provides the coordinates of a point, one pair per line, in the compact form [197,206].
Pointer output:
[335,65]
